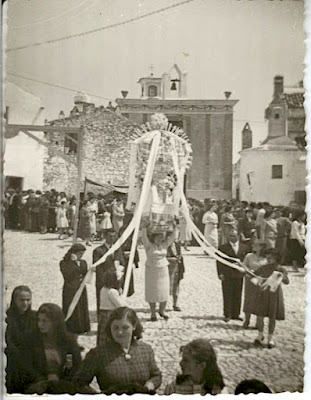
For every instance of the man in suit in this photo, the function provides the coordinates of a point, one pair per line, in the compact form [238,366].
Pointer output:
[111,262]
[232,279]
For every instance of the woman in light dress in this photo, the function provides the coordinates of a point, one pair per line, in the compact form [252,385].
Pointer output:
[61,219]
[210,220]
[157,280]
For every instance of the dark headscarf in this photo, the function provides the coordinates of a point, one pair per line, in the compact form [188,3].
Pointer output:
[74,249]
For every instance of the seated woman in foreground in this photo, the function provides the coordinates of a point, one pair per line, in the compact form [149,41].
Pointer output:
[20,320]
[51,355]
[200,372]
[125,365]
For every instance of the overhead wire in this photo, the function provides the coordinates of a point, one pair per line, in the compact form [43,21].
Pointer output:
[114,25]
[58,86]
[49,19]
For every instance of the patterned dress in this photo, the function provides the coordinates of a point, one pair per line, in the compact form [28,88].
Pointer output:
[113,371]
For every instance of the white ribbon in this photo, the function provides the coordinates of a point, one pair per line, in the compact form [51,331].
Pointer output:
[129,229]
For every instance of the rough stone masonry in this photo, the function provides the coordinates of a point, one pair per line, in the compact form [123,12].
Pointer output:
[105,150]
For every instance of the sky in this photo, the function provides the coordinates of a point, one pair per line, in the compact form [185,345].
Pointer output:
[232,45]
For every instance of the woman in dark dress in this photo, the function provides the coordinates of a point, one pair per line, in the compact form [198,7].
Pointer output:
[20,319]
[268,300]
[74,269]
[51,355]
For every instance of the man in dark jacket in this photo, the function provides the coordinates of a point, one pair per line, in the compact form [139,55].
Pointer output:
[232,279]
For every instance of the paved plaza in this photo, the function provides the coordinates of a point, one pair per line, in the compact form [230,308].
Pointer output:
[33,259]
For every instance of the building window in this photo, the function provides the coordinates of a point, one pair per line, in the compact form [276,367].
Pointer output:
[277,116]
[71,145]
[152,91]
[277,171]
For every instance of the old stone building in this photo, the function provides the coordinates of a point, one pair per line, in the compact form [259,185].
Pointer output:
[208,124]
[105,150]
[275,171]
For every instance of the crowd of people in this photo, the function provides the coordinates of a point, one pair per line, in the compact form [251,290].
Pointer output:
[283,228]
[42,351]
[43,356]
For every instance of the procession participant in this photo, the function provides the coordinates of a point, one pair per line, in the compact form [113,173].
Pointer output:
[185,234]
[73,269]
[269,303]
[110,299]
[84,228]
[284,225]
[72,209]
[268,229]
[51,355]
[247,229]
[157,281]
[61,219]
[28,209]
[259,218]
[227,222]
[253,261]
[176,270]
[13,208]
[105,220]
[52,211]
[44,213]
[94,210]
[111,263]
[117,214]
[210,220]
[297,248]
[20,319]
[231,278]
[200,371]
[125,365]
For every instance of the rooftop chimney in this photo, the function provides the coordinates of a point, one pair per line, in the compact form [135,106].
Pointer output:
[124,93]
[278,86]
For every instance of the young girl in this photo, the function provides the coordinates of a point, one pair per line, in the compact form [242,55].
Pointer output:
[61,219]
[200,372]
[268,301]
[110,299]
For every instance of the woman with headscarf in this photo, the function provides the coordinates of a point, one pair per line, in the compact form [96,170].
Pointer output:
[74,269]
[20,319]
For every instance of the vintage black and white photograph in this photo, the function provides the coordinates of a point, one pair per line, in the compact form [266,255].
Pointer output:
[154,196]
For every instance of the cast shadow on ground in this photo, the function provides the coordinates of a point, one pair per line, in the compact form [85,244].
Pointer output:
[241,344]
[223,326]
[204,317]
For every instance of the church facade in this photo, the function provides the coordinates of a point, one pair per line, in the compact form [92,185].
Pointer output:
[207,123]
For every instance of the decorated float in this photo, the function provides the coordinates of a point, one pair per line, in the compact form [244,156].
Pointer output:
[160,155]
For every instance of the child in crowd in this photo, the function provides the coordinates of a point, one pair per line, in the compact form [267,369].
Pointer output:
[200,372]
[61,219]
[110,299]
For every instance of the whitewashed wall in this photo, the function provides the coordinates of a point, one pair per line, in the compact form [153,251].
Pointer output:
[276,191]
[23,156]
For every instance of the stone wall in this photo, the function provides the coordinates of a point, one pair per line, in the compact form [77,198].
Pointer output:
[105,150]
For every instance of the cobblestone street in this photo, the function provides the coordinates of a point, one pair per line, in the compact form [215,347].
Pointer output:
[33,259]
